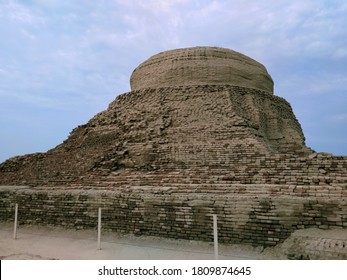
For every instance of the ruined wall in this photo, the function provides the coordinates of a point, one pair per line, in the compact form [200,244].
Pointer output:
[205,117]
[186,124]
[258,215]
[216,132]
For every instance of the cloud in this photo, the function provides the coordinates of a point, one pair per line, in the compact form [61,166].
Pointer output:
[285,28]
[339,118]
[311,84]
[78,55]
[340,53]
[15,12]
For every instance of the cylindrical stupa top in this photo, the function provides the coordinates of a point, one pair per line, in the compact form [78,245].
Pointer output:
[201,66]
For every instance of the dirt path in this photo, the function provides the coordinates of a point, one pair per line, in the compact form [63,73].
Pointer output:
[56,243]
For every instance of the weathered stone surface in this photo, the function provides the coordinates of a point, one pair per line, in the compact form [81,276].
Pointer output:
[164,157]
[201,66]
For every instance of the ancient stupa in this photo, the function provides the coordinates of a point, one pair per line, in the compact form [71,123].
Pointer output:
[200,132]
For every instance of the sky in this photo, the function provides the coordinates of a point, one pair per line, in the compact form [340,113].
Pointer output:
[63,61]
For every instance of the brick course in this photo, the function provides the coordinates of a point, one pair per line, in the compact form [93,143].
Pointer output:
[248,214]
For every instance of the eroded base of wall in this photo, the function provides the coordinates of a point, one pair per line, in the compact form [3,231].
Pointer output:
[257,215]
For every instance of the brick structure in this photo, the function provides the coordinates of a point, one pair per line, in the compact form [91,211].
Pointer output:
[200,133]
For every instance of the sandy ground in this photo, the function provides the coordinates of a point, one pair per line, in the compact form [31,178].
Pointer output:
[36,243]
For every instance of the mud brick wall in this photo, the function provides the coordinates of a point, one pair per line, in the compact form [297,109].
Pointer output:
[316,245]
[247,135]
[258,215]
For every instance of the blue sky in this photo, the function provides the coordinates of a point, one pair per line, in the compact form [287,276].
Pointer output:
[63,61]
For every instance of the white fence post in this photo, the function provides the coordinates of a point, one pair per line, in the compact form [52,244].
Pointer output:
[15,221]
[215,236]
[99,229]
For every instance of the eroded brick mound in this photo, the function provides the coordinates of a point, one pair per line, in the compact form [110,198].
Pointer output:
[315,244]
[214,131]
[201,66]
[195,127]
[200,133]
